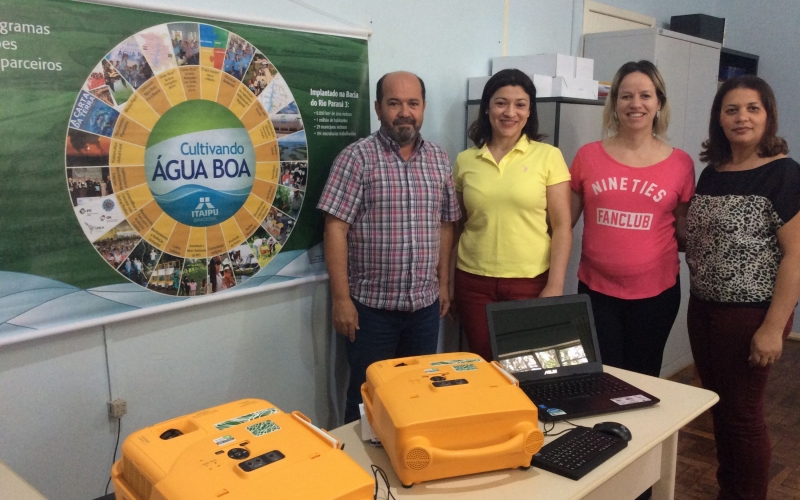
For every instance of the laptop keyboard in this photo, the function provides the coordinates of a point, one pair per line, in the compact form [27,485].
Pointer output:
[558,390]
[577,452]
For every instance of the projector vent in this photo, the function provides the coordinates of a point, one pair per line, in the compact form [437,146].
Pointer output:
[136,479]
[417,458]
[534,443]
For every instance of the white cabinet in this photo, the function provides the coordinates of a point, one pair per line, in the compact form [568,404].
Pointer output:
[689,66]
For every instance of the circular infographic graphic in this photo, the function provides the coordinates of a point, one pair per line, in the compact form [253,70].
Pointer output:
[186,159]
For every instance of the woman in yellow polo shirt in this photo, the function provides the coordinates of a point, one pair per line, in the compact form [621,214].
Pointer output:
[508,185]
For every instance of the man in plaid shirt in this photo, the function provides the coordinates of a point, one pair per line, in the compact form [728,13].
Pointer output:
[390,207]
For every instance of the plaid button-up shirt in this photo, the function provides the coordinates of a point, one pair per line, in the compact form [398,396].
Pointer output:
[395,209]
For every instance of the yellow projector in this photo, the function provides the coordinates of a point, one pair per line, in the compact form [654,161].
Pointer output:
[241,450]
[448,415]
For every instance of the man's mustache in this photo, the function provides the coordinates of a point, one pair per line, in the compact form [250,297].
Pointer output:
[404,121]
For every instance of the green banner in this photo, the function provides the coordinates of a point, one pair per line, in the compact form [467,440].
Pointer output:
[149,158]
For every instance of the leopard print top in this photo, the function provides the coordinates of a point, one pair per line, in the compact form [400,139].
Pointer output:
[732,245]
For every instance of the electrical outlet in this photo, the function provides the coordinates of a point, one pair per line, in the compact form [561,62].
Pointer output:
[117,408]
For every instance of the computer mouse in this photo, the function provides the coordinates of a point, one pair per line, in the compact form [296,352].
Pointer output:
[614,429]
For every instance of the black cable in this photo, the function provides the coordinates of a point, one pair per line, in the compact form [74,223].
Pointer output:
[375,471]
[116,446]
[547,432]
[558,433]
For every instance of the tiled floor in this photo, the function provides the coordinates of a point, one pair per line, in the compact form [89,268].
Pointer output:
[697,463]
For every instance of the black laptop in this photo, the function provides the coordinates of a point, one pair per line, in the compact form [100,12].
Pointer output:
[550,346]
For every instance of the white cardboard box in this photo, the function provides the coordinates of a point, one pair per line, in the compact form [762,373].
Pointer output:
[543,84]
[574,87]
[539,64]
[584,68]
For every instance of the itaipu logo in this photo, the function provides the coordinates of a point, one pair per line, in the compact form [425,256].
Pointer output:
[200,178]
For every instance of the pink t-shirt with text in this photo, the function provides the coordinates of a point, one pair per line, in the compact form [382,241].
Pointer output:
[629,248]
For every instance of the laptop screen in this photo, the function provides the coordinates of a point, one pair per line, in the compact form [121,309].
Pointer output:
[539,337]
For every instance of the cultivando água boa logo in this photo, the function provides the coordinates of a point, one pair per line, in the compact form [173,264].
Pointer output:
[200,163]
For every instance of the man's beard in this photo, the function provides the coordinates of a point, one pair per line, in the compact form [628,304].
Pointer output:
[402,135]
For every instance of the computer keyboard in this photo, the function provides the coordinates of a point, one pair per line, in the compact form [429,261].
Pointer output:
[559,390]
[577,452]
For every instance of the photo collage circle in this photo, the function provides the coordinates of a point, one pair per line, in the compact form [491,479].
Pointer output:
[186,159]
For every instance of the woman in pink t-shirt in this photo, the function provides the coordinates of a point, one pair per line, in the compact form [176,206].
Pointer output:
[634,189]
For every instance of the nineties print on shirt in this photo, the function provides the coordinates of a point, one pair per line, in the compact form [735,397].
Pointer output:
[645,188]
[627,220]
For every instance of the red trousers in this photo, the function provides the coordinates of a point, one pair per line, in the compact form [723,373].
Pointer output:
[720,337]
[474,292]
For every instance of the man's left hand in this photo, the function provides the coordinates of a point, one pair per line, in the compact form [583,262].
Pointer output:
[444,300]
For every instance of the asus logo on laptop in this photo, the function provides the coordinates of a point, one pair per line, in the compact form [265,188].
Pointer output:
[550,372]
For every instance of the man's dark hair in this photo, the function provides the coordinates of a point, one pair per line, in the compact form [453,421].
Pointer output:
[717,149]
[379,89]
[480,132]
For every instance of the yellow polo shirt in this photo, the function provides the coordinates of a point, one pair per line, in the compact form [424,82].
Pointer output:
[505,235]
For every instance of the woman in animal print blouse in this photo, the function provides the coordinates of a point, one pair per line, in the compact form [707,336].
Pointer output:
[743,251]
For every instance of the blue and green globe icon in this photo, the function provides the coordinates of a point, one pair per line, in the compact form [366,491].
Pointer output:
[186,159]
